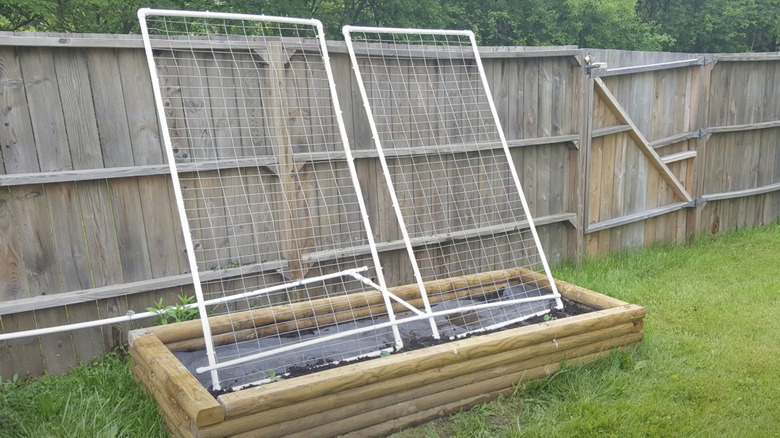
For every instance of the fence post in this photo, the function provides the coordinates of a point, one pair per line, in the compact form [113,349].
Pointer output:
[699,110]
[580,158]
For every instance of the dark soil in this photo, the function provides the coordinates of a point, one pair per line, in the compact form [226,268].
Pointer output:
[570,308]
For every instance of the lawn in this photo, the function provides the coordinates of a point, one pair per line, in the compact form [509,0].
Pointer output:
[709,365]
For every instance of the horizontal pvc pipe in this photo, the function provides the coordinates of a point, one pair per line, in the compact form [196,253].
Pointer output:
[145,12]
[431,315]
[405,31]
[132,316]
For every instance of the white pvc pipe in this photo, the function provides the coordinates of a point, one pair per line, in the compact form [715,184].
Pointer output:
[132,316]
[395,297]
[158,100]
[144,12]
[512,169]
[356,184]
[405,31]
[340,335]
[386,172]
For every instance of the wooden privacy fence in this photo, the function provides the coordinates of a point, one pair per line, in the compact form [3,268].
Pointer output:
[654,147]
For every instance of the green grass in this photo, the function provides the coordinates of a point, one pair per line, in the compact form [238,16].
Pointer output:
[98,400]
[708,366]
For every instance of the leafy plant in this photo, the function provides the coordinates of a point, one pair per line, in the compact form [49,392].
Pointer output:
[273,377]
[178,312]
[549,317]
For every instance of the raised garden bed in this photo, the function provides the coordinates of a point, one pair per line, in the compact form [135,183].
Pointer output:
[380,396]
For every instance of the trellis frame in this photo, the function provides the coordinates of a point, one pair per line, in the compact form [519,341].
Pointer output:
[202,303]
[347,32]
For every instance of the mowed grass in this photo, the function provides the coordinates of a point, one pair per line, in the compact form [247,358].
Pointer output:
[709,365]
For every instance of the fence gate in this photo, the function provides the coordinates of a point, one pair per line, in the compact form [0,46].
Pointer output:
[644,133]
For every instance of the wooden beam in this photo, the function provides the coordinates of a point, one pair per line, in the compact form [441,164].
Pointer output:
[116,290]
[609,130]
[570,140]
[746,127]
[742,193]
[680,156]
[18,179]
[641,142]
[649,67]
[136,287]
[636,217]
[308,387]
[326,306]
[440,238]
[176,380]
[353,403]
[731,57]
[672,139]
[268,162]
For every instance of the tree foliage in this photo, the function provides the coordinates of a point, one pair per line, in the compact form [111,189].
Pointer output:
[680,25]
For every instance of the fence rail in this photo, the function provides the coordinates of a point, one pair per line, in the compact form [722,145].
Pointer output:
[654,147]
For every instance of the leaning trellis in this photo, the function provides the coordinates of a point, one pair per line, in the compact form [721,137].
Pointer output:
[284,262]
[245,104]
[455,190]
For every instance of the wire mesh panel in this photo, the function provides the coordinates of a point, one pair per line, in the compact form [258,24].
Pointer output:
[455,189]
[276,234]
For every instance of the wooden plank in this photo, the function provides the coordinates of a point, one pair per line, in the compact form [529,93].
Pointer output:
[609,130]
[650,67]
[19,154]
[581,97]
[530,81]
[131,250]
[418,417]
[269,163]
[45,107]
[622,143]
[95,203]
[769,188]
[37,249]
[30,202]
[177,381]
[606,190]
[175,420]
[642,215]
[676,138]
[18,150]
[356,402]
[139,100]
[643,144]
[680,156]
[13,286]
[743,127]
[562,101]
[351,376]
[544,153]
[639,88]
[737,57]
[84,143]
[471,385]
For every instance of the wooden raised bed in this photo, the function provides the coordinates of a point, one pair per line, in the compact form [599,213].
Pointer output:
[384,395]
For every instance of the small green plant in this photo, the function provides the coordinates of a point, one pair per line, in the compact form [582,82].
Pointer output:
[13,381]
[273,377]
[549,317]
[176,313]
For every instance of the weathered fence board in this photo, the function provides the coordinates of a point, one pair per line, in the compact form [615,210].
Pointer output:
[85,199]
